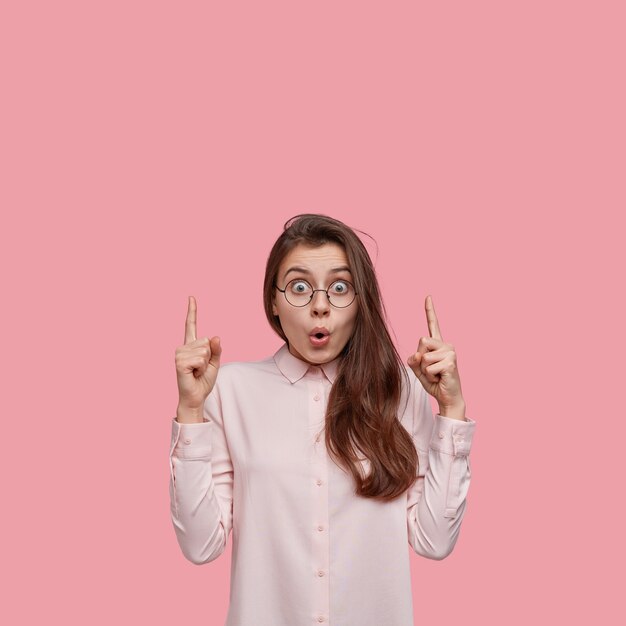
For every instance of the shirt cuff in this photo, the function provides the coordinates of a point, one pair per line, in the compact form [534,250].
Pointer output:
[191,441]
[452,436]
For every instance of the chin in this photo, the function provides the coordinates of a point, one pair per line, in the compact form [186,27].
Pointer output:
[310,354]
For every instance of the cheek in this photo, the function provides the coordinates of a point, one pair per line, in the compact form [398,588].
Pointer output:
[353,321]
[348,323]
[287,317]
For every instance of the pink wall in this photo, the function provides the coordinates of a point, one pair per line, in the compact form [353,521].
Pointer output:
[153,150]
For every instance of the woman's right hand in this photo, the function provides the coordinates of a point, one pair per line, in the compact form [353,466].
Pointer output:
[197,364]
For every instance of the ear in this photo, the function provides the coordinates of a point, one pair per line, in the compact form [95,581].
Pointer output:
[274,309]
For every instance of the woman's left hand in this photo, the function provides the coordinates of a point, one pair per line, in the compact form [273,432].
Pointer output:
[434,364]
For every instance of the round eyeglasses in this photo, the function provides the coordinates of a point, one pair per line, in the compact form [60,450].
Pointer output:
[298,292]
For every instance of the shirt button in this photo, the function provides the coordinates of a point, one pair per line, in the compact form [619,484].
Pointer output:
[316,397]
[187,440]
[320,528]
[320,618]
[318,482]
[441,434]
[320,573]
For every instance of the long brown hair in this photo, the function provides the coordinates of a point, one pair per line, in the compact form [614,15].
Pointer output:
[362,412]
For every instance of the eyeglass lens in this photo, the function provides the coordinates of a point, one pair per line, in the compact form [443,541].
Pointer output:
[341,293]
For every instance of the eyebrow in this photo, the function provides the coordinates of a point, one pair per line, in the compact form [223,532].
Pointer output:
[303,270]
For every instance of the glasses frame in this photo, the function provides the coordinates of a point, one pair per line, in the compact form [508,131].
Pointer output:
[299,306]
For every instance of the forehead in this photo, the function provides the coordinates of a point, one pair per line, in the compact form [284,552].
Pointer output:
[316,259]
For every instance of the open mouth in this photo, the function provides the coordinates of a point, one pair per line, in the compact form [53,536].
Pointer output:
[319,339]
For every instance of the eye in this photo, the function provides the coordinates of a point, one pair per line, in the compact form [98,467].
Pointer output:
[340,286]
[299,286]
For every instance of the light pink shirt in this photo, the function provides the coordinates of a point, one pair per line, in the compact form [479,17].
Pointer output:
[307,551]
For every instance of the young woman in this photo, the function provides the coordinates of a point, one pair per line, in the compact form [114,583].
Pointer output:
[324,459]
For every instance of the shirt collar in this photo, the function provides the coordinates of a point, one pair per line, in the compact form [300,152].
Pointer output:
[294,368]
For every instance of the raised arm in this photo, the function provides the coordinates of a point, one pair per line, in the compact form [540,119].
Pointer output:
[201,472]
[437,500]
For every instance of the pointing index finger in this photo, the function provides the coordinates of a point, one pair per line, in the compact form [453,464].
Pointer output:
[190,322]
[431,317]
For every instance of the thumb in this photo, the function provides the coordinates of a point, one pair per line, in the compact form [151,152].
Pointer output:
[415,359]
[216,351]
[414,362]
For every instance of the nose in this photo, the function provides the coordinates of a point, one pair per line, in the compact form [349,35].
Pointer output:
[320,303]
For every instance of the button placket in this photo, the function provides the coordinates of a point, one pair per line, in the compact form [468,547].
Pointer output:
[319,486]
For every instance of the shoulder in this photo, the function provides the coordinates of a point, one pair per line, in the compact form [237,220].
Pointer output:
[407,396]
[237,379]
[415,399]
[409,380]
[415,390]
[234,371]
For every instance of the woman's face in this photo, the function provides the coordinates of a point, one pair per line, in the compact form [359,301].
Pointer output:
[298,322]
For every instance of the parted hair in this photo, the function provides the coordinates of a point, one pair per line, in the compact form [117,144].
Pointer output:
[361,422]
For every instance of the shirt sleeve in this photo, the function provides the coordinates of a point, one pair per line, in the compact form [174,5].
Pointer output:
[437,500]
[201,484]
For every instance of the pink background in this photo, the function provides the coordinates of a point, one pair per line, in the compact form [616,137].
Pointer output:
[153,150]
